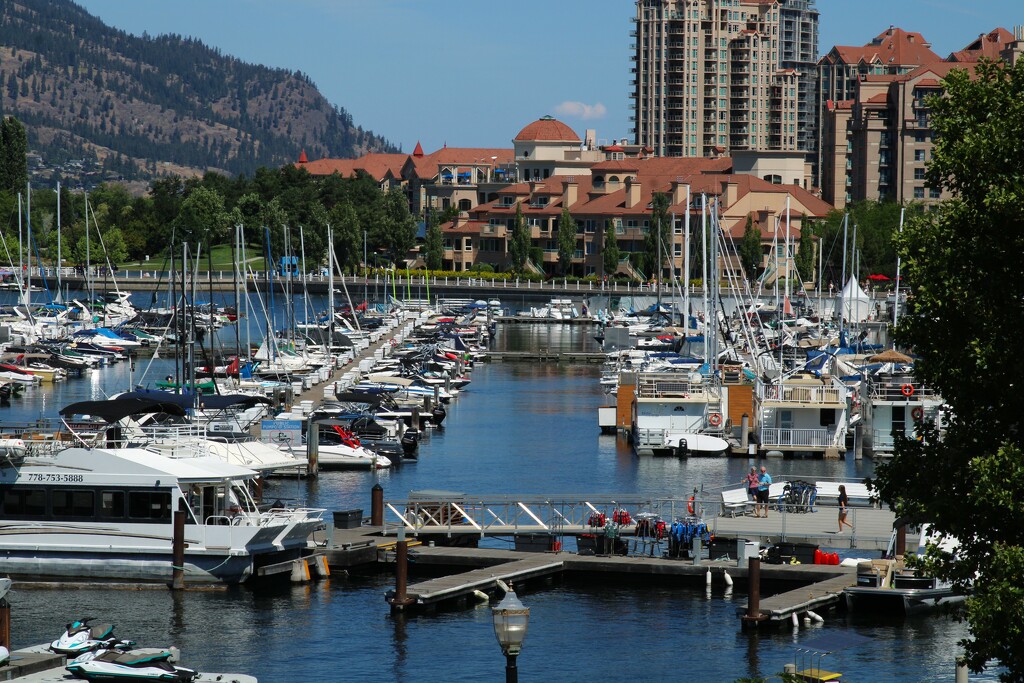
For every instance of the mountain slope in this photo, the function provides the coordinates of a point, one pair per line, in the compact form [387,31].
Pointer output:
[145,106]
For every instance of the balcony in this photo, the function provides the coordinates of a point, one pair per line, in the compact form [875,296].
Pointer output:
[805,395]
[796,438]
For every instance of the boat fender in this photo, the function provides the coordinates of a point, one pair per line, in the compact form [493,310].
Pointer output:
[689,505]
[817,618]
[795,619]
[728,579]
[917,413]
[707,578]
[907,390]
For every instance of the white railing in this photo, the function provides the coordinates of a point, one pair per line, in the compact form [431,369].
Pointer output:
[798,393]
[650,438]
[673,386]
[801,438]
[907,390]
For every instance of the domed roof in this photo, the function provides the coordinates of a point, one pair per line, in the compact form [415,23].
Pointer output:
[547,129]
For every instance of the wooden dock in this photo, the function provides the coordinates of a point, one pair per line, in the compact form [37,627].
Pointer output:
[872,528]
[545,356]
[486,579]
[820,594]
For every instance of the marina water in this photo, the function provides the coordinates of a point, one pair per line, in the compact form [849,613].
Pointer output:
[519,428]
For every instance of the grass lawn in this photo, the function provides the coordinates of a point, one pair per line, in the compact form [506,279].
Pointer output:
[222,260]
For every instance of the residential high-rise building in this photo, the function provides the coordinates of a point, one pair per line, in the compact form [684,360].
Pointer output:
[877,140]
[713,76]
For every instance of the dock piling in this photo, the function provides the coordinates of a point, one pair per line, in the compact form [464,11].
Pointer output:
[178,549]
[377,505]
[753,617]
[400,599]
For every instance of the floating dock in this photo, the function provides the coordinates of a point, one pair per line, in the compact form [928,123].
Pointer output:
[545,356]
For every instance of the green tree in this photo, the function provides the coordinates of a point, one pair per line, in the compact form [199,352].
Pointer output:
[434,245]
[661,229]
[566,241]
[519,242]
[804,258]
[394,230]
[610,254]
[202,218]
[348,238]
[963,263]
[13,159]
[750,249]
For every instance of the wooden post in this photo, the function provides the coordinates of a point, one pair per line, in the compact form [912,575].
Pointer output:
[416,418]
[398,599]
[377,505]
[744,432]
[901,541]
[753,616]
[313,448]
[178,549]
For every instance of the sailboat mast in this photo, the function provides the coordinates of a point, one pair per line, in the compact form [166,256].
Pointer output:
[704,265]
[238,321]
[896,299]
[686,266]
[28,243]
[842,281]
[60,254]
[330,287]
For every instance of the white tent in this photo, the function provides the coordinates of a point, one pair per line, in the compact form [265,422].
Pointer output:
[853,303]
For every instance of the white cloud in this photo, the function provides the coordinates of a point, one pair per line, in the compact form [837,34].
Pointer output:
[581,110]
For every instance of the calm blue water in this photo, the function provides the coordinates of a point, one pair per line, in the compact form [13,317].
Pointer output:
[519,428]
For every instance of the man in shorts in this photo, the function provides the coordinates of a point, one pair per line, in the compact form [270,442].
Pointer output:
[763,482]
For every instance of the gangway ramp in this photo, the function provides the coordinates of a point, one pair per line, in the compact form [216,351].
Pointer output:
[486,579]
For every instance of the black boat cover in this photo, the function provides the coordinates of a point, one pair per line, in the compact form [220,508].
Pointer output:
[112,411]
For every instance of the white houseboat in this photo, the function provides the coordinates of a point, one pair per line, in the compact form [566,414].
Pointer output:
[803,415]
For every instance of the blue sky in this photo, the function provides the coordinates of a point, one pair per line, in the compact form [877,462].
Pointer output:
[472,73]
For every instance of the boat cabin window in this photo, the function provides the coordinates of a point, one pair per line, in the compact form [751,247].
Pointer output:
[24,502]
[111,504]
[149,505]
[899,420]
[828,417]
[72,503]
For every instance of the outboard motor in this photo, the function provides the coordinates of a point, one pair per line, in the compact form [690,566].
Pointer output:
[682,450]
[437,415]
[411,442]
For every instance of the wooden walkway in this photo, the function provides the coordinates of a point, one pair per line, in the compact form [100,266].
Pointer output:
[545,355]
[485,579]
[820,594]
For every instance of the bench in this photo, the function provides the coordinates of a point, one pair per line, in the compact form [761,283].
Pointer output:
[857,492]
[735,501]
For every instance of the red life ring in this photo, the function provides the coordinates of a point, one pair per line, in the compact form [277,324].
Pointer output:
[907,390]
[714,419]
[917,413]
[689,505]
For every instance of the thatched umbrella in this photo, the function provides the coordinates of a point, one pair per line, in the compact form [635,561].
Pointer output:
[890,356]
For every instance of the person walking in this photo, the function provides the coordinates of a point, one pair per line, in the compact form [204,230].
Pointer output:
[752,484]
[763,484]
[844,502]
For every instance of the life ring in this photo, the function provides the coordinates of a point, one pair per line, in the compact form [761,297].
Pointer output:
[715,419]
[917,413]
[689,505]
[907,390]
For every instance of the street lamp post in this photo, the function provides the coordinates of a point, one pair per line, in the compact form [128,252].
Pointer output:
[511,618]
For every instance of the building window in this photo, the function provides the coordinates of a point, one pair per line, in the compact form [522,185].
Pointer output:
[918,155]
[934,192]
[918,174]
[469,244]
[918,193]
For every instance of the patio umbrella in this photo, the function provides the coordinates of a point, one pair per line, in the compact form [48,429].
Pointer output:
[890,356]
[879,277]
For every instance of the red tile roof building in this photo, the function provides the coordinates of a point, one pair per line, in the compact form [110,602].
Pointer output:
[877,140]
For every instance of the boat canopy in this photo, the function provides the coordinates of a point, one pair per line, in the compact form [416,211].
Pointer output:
[112,411]
[187,399]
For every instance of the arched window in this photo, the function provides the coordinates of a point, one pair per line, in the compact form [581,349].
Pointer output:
[465,205]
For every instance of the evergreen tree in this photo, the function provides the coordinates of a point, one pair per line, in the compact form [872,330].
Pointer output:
[566,241]
[661,229]
[962,260]
[750,250]
[805,250]
[610,254]
[519,242]
[434,244]
[13,155]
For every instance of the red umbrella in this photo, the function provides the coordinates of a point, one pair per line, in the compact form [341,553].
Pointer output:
[878,276]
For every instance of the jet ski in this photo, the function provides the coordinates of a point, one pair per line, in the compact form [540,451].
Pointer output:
[80,637]
[137,665]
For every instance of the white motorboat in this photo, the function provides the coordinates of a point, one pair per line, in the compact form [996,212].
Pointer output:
[888,585]
[101,513]
[340,449]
